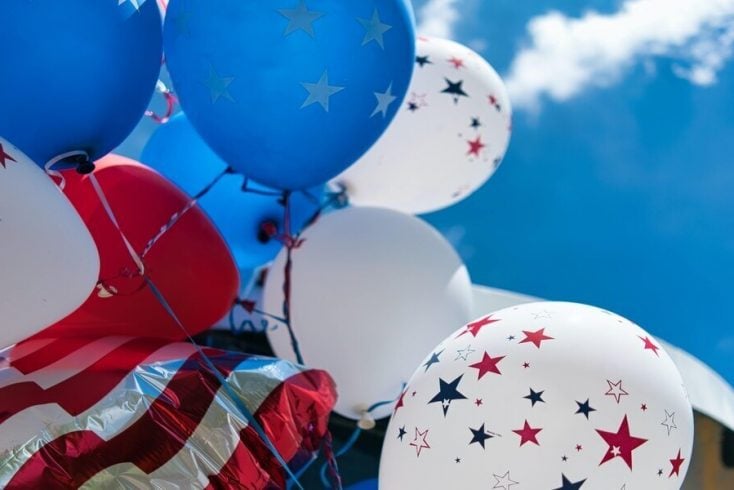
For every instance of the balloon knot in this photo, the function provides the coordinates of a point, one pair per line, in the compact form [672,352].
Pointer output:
[84,165]
[268,230]
[247,304]
[366,421]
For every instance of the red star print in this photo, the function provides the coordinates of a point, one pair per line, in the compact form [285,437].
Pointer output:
[536,337]
[422,444]
[475,146]
[400,402]
[643,407]
[492,99]
[478,402]
[526,365]
[474,327]
[487,365]
[457,62]
[4,157]
[621,443]
[579,447]
[677,462]
[649,345]
[527,434]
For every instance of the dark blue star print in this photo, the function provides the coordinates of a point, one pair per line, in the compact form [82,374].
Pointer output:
[535,397]
[455,88]
[433,360]
[401,432]
[568,485]
[479,436]
[422,60]
[585,408]
[447,392]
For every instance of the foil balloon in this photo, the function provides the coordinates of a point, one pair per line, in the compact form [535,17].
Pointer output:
[143,413]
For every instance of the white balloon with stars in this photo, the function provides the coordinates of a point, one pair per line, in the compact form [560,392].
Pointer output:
[543,396]
[452,130]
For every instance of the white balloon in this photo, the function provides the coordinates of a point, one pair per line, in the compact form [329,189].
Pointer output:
[48,260]
[446,141]
[542,396]
[372,289]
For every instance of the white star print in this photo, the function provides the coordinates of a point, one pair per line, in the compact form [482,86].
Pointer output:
[464,353]
[504,481]
[669,422]
[615,390]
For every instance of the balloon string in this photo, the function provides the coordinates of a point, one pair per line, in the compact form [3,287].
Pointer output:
[234,397]
[175,217]
[164,303]
[355,436]
[55,174]
[108,209]
[171,101]
[289,242]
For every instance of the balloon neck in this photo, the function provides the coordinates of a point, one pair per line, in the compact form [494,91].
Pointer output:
[84,164]
[366,421]
[340,196]
[267,230]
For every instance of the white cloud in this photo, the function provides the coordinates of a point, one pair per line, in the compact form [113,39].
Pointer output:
[438,18]
[566,55]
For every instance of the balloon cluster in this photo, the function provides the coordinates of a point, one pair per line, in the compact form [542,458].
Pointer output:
[311,134]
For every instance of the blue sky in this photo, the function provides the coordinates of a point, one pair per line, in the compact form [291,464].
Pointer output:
[618,188]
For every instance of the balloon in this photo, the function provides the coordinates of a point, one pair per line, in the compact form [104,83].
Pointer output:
[190,263]
[372,289]
[121,412]
[290,92]
[448,138]
[76,75]
[179,153]
[48,261]
[542,395]
[364,485]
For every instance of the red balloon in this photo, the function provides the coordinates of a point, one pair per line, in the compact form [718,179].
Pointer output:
[190,264]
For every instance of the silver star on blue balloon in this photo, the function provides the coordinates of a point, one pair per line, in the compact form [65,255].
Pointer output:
[383,102]
[300,18]
[375,29]
[320,92]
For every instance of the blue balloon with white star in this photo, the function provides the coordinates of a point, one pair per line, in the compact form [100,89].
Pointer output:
[76,75]
[290,92]
[178,152]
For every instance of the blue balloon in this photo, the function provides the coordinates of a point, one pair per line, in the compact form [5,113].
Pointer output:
[76,74]
[364,485]
[290,92]
[178,152]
